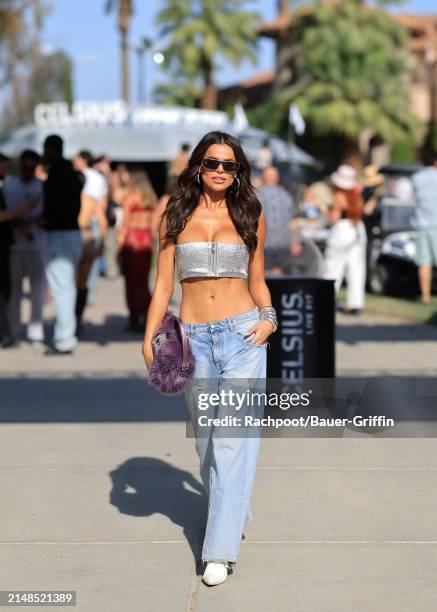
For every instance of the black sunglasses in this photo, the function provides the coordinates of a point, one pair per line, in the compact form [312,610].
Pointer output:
[211,163]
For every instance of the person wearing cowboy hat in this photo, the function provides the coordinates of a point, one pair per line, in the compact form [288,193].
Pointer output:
[371,181]
[371,177]
[345,254]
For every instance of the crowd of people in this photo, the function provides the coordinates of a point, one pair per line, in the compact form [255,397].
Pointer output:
[349,207]
[62,223]
[342,203]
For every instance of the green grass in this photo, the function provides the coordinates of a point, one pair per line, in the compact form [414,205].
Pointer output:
[404,308]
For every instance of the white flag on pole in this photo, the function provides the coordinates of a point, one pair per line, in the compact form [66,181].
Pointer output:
[241,122]
[296,119]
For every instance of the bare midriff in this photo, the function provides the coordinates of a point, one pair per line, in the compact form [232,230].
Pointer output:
[140,219]
[213,299]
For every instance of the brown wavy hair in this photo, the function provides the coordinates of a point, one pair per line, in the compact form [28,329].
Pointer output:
[354,204]
[139,183]
[243,206]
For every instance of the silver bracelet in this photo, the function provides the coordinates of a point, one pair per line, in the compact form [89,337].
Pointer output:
[268,310]
[268,313]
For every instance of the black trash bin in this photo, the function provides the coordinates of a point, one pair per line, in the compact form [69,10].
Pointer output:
[303,346]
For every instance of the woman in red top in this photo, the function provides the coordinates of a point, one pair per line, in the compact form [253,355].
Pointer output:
[345,254]
[135,239]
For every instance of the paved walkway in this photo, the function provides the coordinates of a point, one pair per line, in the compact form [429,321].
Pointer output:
[101,492]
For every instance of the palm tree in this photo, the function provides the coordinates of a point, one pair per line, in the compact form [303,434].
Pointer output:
[178,91]
[201,32]
[125,11]
[349,66]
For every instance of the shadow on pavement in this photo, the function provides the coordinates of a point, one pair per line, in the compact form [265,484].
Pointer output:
[94,397]
[355,332]
[142,486]
[112,329]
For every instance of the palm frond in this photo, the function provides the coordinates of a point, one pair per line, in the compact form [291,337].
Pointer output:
[350,68]
[201,33]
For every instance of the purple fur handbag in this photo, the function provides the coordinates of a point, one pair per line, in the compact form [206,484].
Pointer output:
[173,361]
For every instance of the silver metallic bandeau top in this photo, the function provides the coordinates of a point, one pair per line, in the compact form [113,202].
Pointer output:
[217,259]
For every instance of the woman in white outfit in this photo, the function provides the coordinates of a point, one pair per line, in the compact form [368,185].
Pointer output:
[345,254]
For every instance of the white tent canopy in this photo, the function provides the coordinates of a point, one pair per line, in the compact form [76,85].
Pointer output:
[135,134]
[252,138]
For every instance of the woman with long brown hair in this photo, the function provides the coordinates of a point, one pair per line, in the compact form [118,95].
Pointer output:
[213,231]
[135,239]
[345,254]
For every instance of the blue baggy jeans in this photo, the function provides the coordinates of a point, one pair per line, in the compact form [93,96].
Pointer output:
[227,464]
[64,251]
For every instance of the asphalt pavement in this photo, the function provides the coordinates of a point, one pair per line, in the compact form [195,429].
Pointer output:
[101,491]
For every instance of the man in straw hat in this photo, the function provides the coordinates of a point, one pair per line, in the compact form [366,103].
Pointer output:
[371,181]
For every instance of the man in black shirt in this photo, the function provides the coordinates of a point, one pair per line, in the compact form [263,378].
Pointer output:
[61,210]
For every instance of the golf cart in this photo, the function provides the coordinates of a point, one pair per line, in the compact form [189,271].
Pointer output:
[391,267]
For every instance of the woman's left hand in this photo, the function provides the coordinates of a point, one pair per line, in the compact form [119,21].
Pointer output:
[263,330]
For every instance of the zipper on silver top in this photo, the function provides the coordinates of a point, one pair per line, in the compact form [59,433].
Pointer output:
[214,259]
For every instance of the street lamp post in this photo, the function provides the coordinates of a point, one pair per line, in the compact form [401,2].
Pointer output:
[141,50]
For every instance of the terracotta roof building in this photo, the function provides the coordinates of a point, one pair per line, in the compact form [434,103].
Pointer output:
[422,42]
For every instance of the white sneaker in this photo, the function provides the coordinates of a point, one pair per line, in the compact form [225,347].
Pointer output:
[215,573]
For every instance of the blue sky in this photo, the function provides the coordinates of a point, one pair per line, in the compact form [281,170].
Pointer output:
[90,37]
